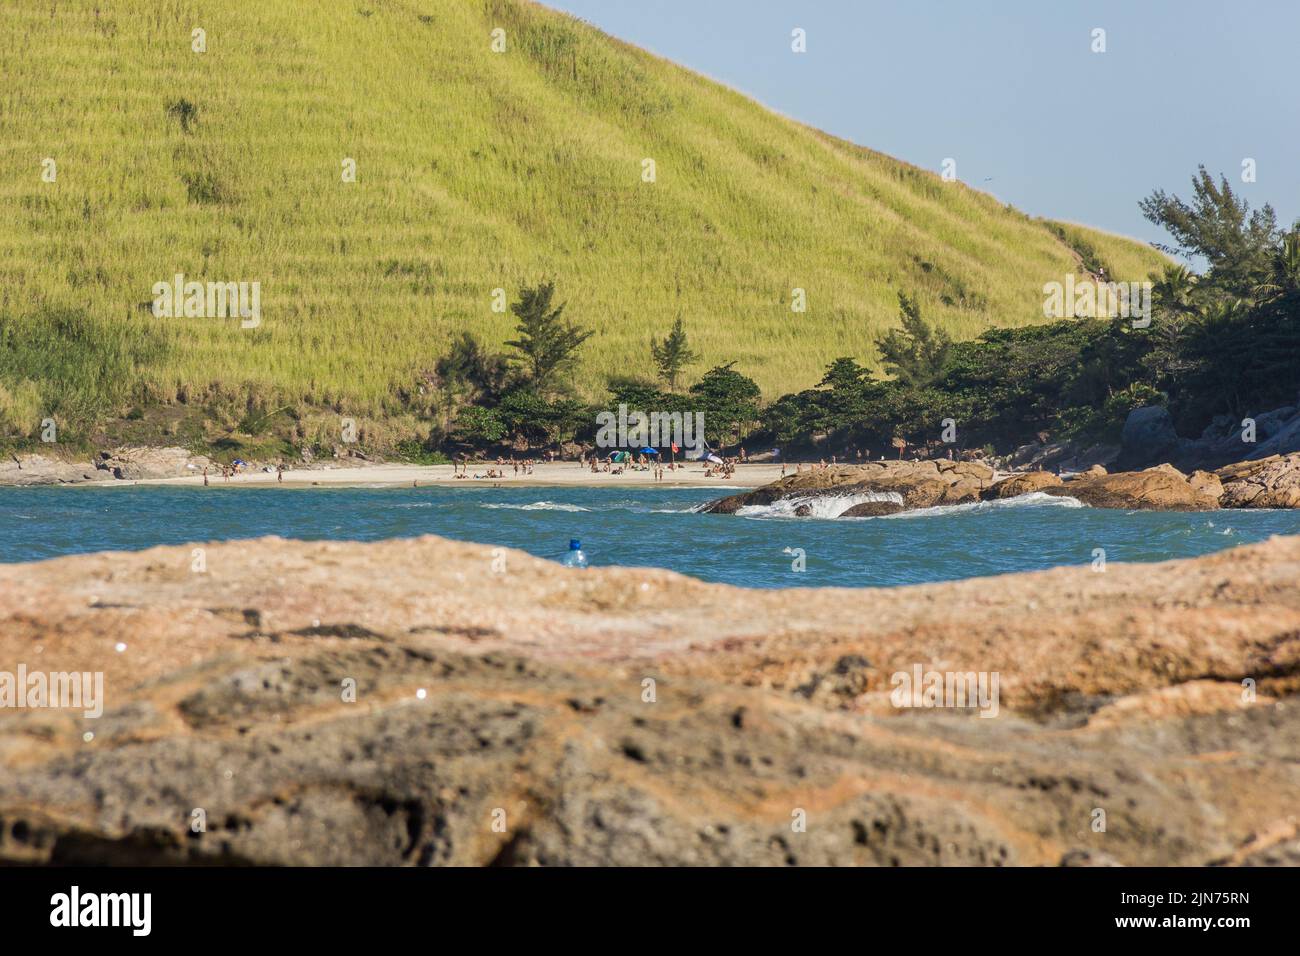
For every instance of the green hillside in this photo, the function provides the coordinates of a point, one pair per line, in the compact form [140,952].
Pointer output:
[476,170]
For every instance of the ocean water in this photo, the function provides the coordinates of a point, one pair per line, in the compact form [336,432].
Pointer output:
[655,527]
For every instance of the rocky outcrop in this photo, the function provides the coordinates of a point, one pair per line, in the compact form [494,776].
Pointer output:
[1269,483]
[1021,484]
[1148,437]
[872,509]
[131,463]
[45,470]
[140,463]
[1206,483]
[424,702]
[1162,488]
[1063,456]
[917,484]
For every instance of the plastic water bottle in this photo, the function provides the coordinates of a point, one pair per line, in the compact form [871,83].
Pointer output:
[574,558]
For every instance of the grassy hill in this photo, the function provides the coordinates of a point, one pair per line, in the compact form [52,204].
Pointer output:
[475,171]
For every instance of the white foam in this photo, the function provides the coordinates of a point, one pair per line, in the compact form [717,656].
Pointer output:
[538,506]
[821,506]
[1034,499]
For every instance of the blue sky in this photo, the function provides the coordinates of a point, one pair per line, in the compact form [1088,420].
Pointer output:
[1012,90]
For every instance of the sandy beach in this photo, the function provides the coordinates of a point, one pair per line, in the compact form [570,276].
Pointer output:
[548,474]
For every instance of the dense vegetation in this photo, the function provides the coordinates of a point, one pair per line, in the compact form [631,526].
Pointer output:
[1226,342]
[475,172]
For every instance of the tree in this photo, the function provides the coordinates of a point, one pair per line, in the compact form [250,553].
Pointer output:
[635,393]
[1283,281]
[479,425]
[467,374]
[844,400]
[468,366]
[915,354]
[1176,295]
[529,417]
[547,343]
[728,400]
[1174,288]
[1238,244]
[843,374]
[673,355]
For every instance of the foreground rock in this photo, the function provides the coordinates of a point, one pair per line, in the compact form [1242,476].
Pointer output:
[431,702]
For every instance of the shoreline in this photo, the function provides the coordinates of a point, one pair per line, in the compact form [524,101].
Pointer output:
[566,474]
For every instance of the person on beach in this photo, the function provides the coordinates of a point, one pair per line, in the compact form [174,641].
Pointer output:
[279,472]
[205,477]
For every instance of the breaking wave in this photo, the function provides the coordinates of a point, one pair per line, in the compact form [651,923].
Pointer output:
[1035,499]
[821,506]
[537,506]
[834,506]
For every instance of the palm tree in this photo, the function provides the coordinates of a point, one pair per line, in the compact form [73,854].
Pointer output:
[1284,279]
[1176,313]
[1175,287]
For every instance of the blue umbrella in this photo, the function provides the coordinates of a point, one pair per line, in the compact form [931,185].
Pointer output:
[649,451]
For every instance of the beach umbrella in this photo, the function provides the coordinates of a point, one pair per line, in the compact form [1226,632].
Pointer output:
[649,451]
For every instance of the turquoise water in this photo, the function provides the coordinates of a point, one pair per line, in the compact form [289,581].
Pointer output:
[632,527]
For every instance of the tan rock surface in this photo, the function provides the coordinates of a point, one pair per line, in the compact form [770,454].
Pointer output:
[1207,483]
[920,484]
[1162,488]
[1119,691]
[1267,483]
[1022,484]
[45,470]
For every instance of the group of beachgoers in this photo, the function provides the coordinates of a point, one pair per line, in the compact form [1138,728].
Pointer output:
[613,464]
[856,455]
[239,466]
[460,468]
[609,466]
